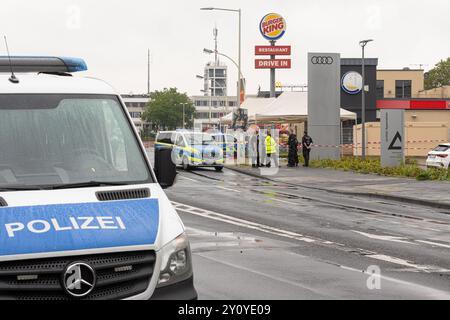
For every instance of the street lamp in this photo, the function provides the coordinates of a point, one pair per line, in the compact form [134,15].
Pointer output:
[184,122]
[208,51]
[211,95]
[363,44]
[239,11]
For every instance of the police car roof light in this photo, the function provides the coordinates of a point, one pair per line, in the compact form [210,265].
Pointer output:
[42,64]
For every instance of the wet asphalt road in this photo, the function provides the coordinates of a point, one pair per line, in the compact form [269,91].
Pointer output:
[252,239]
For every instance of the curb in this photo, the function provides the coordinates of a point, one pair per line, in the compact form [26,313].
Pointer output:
[426,203]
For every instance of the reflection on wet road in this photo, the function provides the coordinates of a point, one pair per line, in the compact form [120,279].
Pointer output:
[254,239]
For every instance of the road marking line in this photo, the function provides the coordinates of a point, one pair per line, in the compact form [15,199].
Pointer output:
[384,238]
[228,189]
[288,282]
[283,201]
[405,263]
[398,261]
[435,244]
[183,177]
[437,294]
[291,235]
[242,223]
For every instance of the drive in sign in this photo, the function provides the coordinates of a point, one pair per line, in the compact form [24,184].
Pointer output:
[273,50]
[273,63]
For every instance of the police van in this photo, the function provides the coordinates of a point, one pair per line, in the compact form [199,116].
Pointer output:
[83,215]
[192,149]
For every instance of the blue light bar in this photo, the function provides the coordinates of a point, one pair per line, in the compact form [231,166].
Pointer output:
[42,64]
[75,64]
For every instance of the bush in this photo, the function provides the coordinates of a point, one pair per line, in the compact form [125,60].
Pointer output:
[425,175]
[410,170]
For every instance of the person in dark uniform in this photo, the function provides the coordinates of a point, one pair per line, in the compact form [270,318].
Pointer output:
[293,150]
[307,143]
[253,149]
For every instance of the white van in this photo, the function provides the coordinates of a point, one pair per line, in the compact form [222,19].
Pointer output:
[82,215]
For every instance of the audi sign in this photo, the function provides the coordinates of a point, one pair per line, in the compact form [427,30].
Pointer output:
[322,60]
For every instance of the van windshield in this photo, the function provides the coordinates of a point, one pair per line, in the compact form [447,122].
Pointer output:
[199,139]
[54,140]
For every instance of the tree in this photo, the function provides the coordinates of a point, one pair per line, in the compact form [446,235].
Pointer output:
[438,76]
[165,109]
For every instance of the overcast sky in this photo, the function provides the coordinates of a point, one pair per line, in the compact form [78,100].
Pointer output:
[113,35]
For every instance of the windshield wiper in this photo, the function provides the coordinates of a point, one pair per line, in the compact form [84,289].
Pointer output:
[86,185]
[19,188]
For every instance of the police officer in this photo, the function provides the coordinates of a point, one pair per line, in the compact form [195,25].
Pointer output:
[271,150]
[253,149]
[307,143]
[293,151]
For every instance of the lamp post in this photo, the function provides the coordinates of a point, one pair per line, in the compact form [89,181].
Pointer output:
[208,51]
[184,122]
[239,11]
[210,100]
[363,44]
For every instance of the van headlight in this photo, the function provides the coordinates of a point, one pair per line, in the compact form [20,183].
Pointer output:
[176,262]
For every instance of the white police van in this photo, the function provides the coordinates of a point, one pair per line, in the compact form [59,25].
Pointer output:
[82,215]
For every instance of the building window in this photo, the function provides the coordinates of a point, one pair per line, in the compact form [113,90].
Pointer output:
[220,73]
[380,89]
[403,89]
[136,115]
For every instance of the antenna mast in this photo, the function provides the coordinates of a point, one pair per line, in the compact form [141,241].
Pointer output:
[13,77]
[216,56]
[420,65]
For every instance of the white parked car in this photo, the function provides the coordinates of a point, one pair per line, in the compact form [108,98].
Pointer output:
[439,157]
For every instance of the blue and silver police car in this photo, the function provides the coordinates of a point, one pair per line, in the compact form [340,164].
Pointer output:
[192,149]
[83,215]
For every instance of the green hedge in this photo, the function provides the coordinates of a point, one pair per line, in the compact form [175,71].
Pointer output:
[410,170]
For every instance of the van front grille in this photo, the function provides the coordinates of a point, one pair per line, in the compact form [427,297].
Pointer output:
[119,275]
[123,194]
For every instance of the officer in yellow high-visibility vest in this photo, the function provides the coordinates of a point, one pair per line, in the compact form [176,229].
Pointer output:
[271,149]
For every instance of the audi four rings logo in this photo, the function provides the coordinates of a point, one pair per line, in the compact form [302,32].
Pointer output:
[322,60]
[79,279]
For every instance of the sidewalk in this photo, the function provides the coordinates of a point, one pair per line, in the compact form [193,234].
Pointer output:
[429,193]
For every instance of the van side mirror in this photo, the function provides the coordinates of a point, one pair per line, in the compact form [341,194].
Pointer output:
[165,169]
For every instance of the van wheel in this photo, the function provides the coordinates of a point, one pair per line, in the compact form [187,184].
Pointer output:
[218,169]
[185,164]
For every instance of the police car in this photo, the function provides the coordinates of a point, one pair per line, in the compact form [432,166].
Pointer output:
[192,149]
[82,213]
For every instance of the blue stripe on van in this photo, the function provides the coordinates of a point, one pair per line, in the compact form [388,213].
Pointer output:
[67,227]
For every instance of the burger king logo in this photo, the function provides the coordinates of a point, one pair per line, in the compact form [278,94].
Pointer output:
[272,26]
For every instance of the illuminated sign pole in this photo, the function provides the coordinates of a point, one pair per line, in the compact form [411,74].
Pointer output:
[272,27]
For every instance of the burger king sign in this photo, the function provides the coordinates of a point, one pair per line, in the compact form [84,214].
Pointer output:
[272,26]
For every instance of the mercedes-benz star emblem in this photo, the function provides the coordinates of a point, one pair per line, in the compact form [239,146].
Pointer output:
[322,60]
[79,279]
